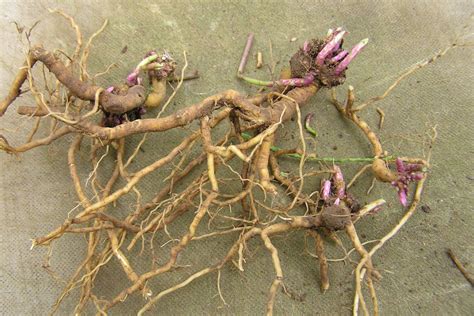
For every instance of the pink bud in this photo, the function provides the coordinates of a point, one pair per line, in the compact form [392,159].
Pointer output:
[338,174]
[402,196]
[339,182]
[326,190]
[132,78]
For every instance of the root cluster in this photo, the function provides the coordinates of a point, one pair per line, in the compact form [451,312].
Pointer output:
[107,116]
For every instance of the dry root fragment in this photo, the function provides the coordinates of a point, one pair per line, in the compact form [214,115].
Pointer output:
[15,87]
[259,60]
[323,262]
[469,277]
[278,271]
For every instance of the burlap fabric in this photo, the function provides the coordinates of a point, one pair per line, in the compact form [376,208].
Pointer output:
[418,278]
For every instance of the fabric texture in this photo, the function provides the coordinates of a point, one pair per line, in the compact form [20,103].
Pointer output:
[418,278]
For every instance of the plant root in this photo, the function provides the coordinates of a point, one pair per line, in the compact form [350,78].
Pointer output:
[469,277]
[198,179]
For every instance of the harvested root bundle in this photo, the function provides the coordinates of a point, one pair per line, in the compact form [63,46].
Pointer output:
[109,115]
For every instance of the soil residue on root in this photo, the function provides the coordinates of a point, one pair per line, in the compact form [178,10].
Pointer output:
[304,62]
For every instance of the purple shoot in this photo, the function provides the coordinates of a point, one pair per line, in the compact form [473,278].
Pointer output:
[132,78]
[354,52]
[337,185]
[330,47]
[339,56]
[402,196]
[326,190]
[338,180]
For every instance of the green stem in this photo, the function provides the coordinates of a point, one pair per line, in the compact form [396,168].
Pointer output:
[146,61]
[325,159]
[308,127]
[311,130]
[342,160]
[256,82]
